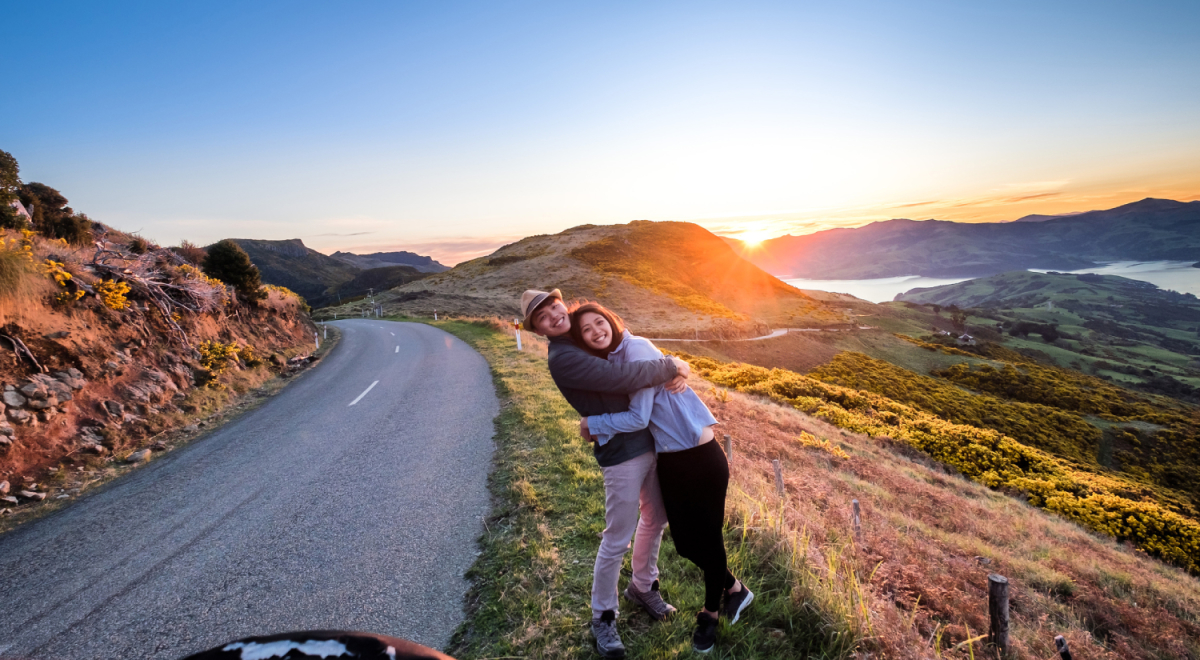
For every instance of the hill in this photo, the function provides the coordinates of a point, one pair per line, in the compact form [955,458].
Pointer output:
[1148,230]
[1125,330]
[911,584]
[384,259]
[665,278]
[322,279]
[106,346]
[302,269]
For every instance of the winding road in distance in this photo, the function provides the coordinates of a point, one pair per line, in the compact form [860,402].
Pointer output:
[351,500]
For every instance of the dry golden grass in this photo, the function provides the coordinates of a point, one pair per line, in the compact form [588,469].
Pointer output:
[930,540]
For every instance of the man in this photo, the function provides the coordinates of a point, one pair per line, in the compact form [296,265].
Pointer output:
[594,386]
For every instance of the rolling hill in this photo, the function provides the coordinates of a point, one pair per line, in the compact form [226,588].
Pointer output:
[1128,331]
[665,278]
[322,279]
[1148,230]
[420,263]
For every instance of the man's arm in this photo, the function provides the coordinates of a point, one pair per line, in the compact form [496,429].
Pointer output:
[576,369]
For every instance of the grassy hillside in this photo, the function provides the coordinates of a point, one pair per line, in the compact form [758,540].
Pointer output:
[665,279]
[913,585]
[302,269]
[1125,330]
[1152,229]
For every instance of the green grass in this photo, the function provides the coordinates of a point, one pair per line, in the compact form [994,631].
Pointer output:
[530,594]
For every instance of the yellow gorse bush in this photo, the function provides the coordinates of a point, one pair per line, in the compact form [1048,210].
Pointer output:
[216,357]
[113,294]
[55,271]
[1097,501]
[809,440]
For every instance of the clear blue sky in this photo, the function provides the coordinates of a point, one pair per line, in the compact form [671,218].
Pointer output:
[452,127]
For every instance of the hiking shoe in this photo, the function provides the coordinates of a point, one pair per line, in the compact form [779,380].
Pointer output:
[705,636]
[608,642]
[735,603]
[651,601]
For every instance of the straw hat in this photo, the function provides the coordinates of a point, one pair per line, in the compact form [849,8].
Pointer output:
[531,300]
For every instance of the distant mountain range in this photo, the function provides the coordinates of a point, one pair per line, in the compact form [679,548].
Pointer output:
[323,279]
[1149,230]
[385,259]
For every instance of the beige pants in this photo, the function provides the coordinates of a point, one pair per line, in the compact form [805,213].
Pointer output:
[629,489]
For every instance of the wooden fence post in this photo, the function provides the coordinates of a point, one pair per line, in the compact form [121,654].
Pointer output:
[998,612]
[857,520]
[1063,651]
[778,477]
[728,448]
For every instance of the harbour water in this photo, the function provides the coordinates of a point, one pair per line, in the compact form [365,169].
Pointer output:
[1175,275]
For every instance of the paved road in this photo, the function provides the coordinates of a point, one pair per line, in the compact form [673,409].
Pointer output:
[307,513]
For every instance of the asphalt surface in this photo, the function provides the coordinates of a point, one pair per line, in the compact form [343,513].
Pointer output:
[307,513]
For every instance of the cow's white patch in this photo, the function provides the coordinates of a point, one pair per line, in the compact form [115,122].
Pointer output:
[325,648]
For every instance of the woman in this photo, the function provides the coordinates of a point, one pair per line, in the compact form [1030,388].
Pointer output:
[692,471]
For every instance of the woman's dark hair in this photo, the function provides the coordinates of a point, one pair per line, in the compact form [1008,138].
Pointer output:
[618,326]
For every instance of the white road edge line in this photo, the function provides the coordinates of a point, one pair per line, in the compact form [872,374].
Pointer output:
[360,396]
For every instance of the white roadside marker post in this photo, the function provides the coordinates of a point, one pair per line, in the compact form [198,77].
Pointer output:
[517,328]
[317,340]
[435,315]
[325,328]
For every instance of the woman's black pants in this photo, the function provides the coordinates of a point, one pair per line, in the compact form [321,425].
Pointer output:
[693,483]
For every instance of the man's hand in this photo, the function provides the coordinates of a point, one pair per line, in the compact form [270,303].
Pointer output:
[682,369]
[676,385]
[583,430]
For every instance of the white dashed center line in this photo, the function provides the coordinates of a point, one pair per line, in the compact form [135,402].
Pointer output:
[392,334]
[397,349]
[360,396]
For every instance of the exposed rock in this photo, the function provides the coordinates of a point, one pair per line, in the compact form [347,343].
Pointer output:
[138,456]
[98,450]
[5,441]
[9,499]
[61,334]
[19,416]
[35,390]
[6,430]
[4,488]
[158,446]
[191,428]
[30,495]
[41,404]
[13,399]
[46,415]
[9,388]
[113,409]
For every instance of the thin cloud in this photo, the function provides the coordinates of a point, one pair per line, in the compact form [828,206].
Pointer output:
[357,233]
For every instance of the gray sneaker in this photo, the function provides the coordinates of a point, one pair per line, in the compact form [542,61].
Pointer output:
[608,642]
[651,601]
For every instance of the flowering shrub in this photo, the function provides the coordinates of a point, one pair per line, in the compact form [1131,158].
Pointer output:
[113,294]
[216,357]
[809,440]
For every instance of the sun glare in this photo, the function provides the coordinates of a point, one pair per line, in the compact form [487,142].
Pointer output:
[753,238]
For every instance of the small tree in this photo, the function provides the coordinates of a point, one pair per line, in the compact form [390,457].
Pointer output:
[53,218]
[10,188]
[228,262]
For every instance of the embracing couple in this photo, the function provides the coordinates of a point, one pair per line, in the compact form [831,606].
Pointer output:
[653,439]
